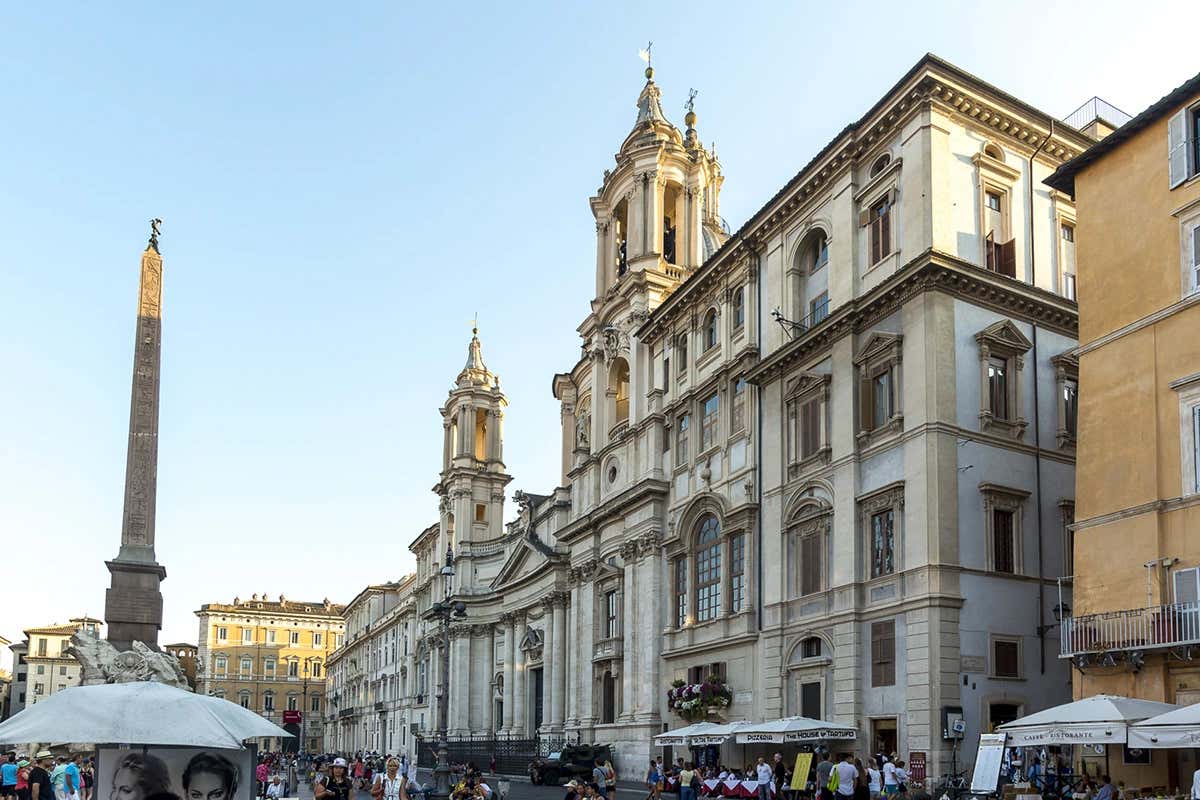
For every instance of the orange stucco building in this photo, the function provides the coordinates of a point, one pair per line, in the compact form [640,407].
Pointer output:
[1135,625]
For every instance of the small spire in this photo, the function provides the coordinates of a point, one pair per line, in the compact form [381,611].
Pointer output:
[691,138]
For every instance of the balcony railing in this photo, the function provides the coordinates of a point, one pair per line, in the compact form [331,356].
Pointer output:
[608,649]
[1156,627]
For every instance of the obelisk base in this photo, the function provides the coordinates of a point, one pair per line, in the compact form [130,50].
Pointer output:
[133,604]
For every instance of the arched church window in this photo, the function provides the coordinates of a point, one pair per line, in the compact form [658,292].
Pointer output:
[481,431]
[672,213]
[710,330]
[620,223]
[708,569]
[618,388]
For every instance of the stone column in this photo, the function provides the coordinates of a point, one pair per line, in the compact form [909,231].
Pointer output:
[550,643]
[460,682]
[446,454]
[489,688]
[629,628]
[510,655]
[574,665]
[518,693]
[558,662]
[650,623]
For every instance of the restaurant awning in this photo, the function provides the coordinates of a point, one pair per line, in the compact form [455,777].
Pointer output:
[1101,719]
[1178,728]
[794,729]
[682,736]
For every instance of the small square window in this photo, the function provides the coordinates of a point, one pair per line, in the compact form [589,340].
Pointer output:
[1006,658]
[1068,233]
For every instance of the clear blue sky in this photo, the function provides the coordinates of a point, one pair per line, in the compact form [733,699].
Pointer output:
[342,187]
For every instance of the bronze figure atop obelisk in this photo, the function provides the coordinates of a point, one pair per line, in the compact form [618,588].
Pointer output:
[133,603]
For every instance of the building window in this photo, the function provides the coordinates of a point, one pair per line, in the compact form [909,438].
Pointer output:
[316,669]
[247,635]
[222,634]
[818,255]
[293,669]
[1002,349]
[268,701]
[810,699]
[739,308]
[269,667]
[883,543]
[39,689]
[62,670]
[708,423]
[737,573]
[878,386]
[244,699]
[1183,145]
[999,247]
[610,615]
[318,639]
[1191,282]
[480,512]
[806,400]
[608,698]
[681,439]
[879,218]
[883,653]
[294,637]
[1003,508]
[737,420]
[681,348]
[1188,390]
[1066,247]
[680,570]
[220,665]
[247,666]
[1006,657]
[818,309]
[314,703]
[293,703]
[270,637]
[1067,510]
[811,647]
[618,390]
[880,165]
[708,570]
[42,645]
[41,669]
[1066,379]
[710,330]
[806,544]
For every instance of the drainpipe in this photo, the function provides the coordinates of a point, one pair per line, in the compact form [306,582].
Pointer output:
[1037,417]
[758,445]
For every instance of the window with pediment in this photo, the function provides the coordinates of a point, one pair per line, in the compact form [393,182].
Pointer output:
[881,513]
[1066,386]
[878,367]
[1002,349]
[807,402]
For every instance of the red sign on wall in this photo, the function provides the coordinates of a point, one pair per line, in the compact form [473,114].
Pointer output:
[916,766]
[291,717]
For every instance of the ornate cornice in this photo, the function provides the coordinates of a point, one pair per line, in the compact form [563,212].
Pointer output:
[931,271]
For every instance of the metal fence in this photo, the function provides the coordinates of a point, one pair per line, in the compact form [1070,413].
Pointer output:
[1097,109]
[512,755]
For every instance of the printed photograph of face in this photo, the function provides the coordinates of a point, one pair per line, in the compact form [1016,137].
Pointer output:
[174,774]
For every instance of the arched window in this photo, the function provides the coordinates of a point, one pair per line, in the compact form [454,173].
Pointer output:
[708,569]
[818,252]
[811,647]
[739,308]
[618,390]
[992,151]
[244,699]
[880,164]
[710,330]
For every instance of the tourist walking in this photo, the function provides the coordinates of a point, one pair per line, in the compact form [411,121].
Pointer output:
[610,780]
[846,775]
[336,785]
[688,782]
[23,779]
[764,773]
[824,771]
[874,779]
[654,781]
[40,787]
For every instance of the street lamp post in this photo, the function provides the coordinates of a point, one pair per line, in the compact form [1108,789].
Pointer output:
[304,705]
[442,612]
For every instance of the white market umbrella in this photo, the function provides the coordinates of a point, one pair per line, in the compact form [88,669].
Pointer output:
[683,736]
[1100,719]
[1178,728]
[795,729]
[137,713]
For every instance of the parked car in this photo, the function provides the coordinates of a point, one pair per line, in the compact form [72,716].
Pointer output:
[574,761]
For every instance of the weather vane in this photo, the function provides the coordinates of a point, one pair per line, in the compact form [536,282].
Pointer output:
[690,105]
[644,55]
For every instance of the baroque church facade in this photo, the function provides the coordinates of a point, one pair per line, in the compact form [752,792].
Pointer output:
[828,458]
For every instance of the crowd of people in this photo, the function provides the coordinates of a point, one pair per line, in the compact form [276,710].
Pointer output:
[847,778]
[46,777]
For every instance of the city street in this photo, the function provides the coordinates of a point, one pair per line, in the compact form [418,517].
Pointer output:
[518,789]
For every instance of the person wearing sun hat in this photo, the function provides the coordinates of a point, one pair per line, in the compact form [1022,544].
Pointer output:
[337,786]
[40,787]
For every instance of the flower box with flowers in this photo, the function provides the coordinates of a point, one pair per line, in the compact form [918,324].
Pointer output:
[695,701]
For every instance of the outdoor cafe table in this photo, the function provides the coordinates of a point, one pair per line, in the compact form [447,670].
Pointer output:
[727,788]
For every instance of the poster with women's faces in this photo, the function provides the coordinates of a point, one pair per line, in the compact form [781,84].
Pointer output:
[170,773]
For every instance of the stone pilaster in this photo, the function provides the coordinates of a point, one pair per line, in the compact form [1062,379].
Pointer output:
[629,630]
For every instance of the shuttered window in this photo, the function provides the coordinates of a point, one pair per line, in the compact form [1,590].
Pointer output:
[1003,549]
[881,229]
[1194,263]
[883,653]
[1182,135]
[737,419]
[680,567]
[810,427]
[998,387]
[1006,658]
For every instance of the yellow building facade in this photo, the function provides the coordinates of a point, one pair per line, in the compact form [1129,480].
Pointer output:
[269,656]
[1135,626]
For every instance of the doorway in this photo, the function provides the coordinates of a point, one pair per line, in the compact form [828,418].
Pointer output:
[883,736]
[538,684]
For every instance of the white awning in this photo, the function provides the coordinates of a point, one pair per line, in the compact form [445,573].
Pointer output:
[1101,719]
[1178,728]
[682,736]
[794,729]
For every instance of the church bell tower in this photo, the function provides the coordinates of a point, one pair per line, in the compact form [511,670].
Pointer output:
[473,476]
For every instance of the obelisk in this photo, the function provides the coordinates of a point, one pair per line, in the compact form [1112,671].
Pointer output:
[133,603]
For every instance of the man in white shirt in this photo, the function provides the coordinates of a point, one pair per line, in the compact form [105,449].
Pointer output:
[764,774]
[891,784]
[846,773]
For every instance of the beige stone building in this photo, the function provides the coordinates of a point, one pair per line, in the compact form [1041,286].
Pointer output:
[269,655]
[41,665]
[819,458]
